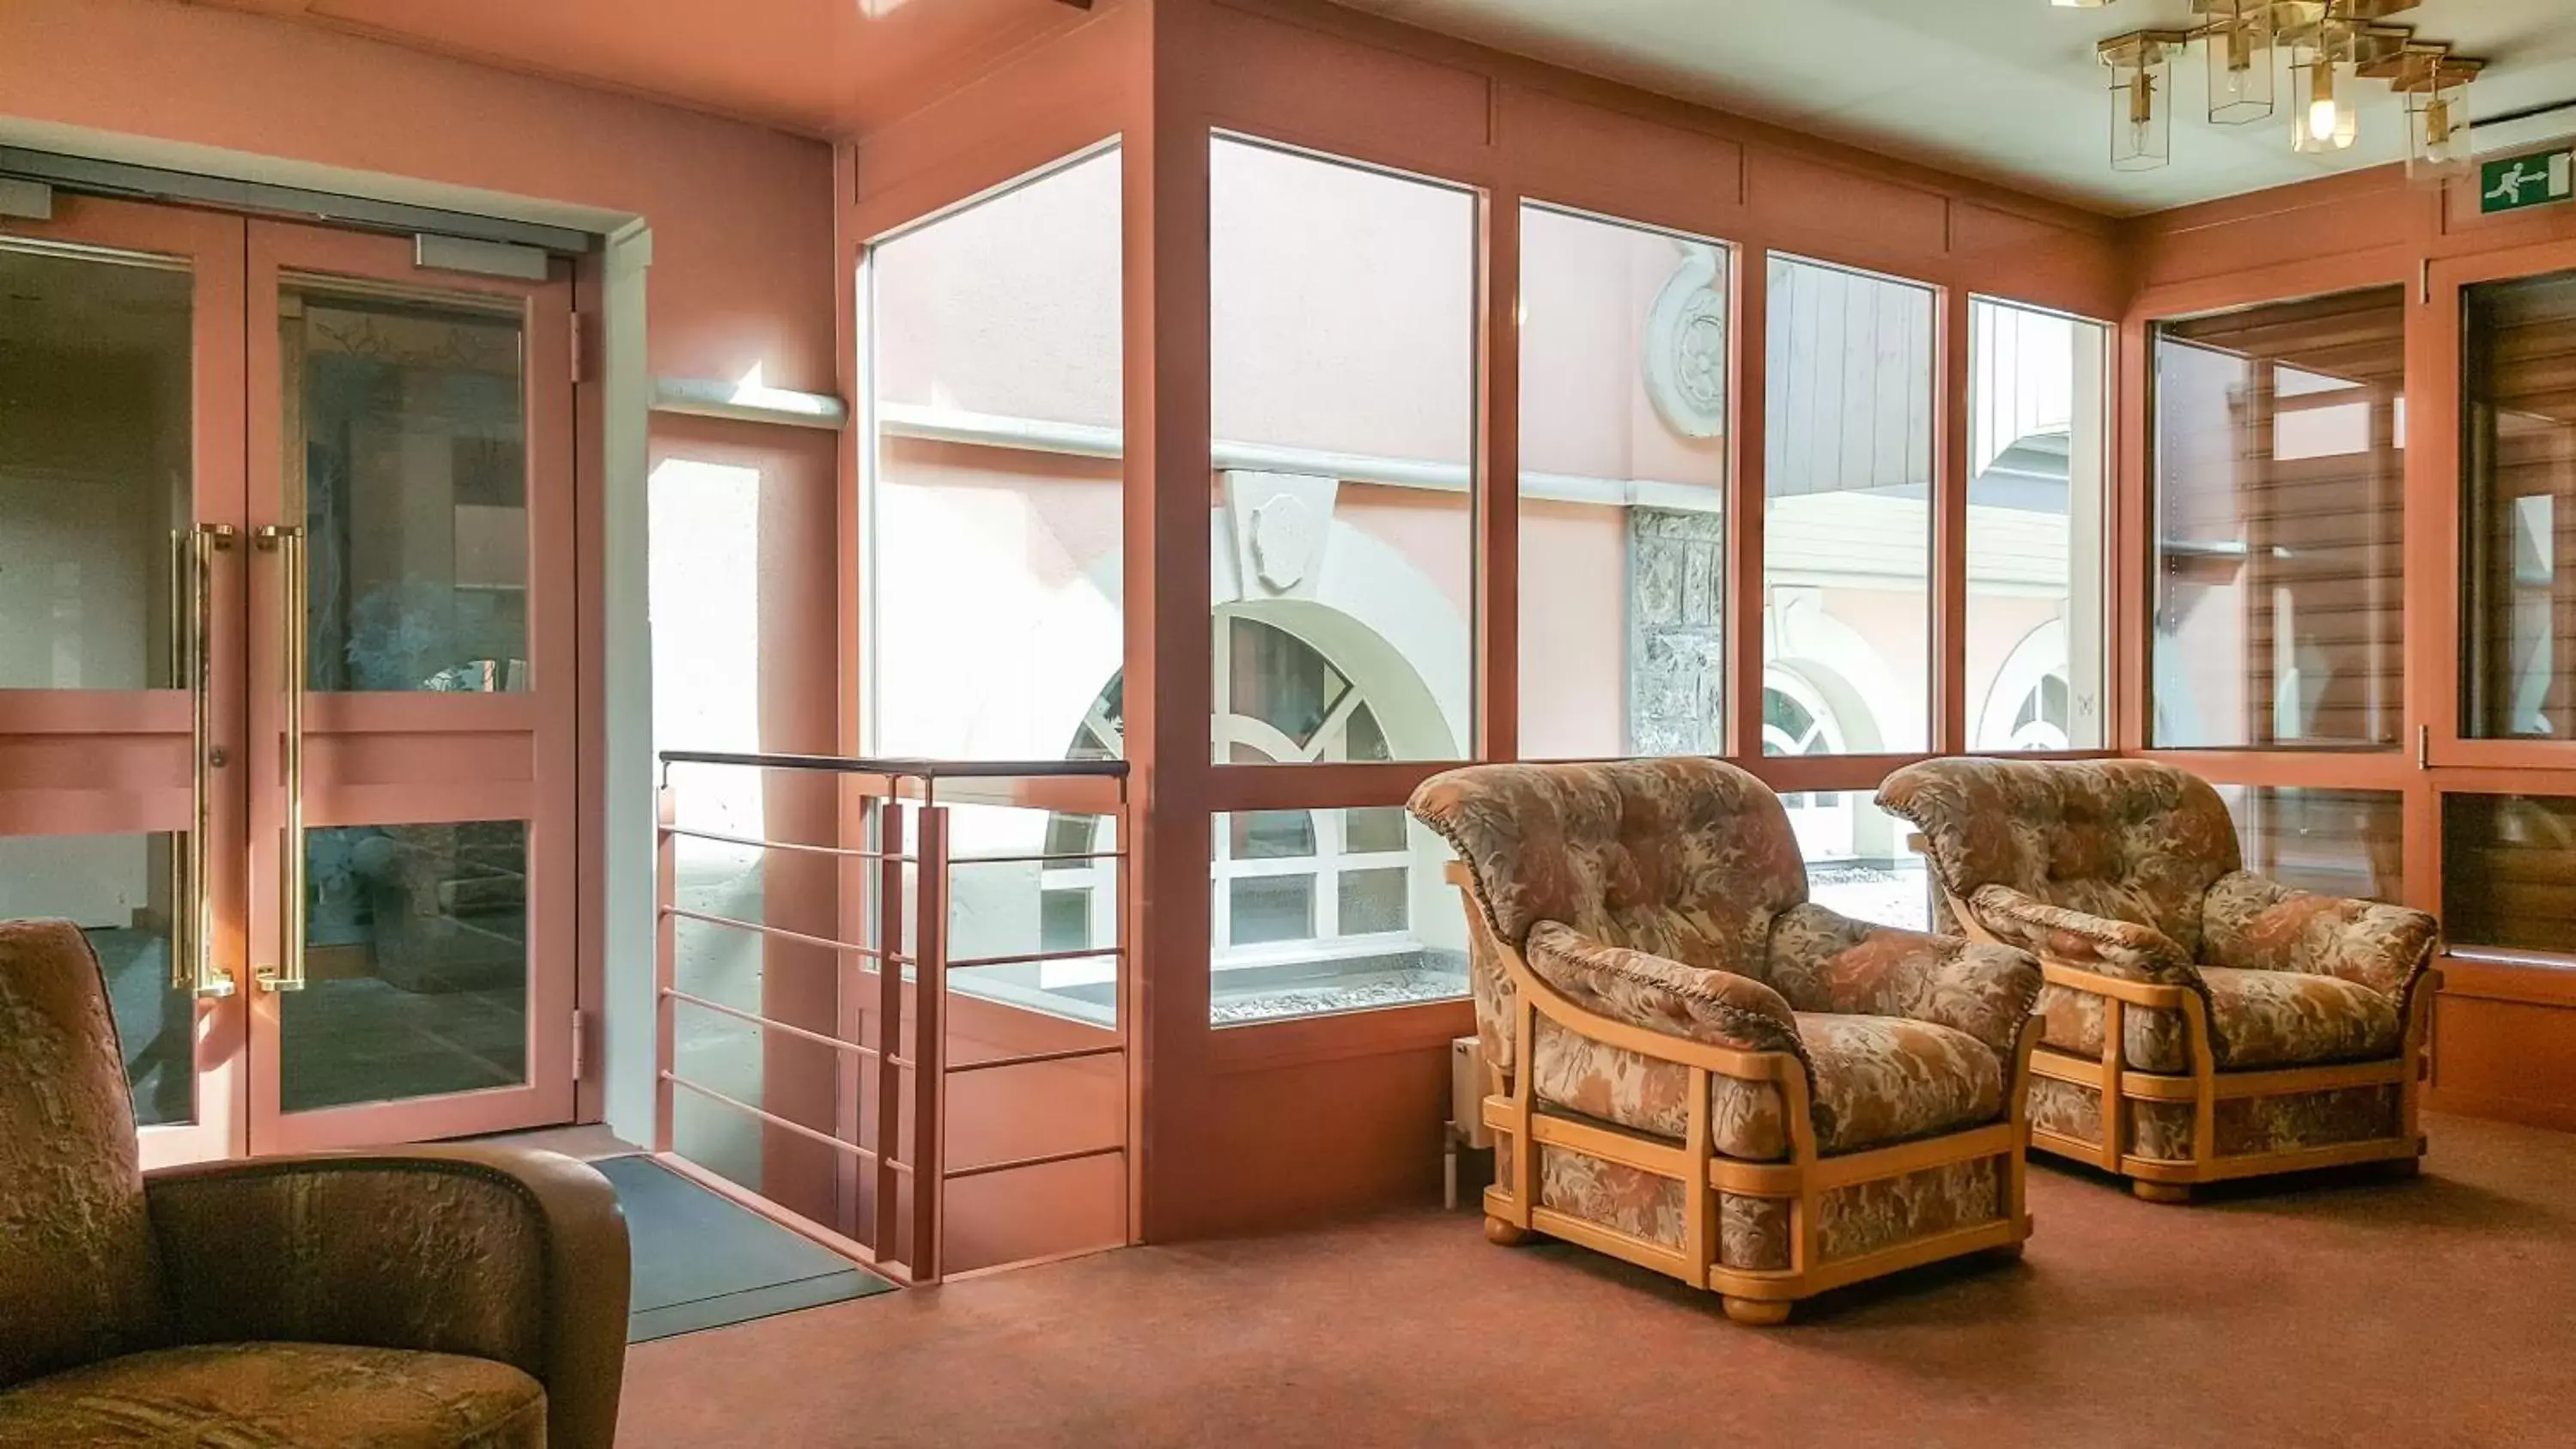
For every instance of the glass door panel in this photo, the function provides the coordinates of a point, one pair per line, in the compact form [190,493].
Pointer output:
[95,348]
[119,890]
[411,839]
[414,477]
[416,965]
[120,480]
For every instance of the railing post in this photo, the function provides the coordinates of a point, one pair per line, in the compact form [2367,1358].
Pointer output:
[929,1057]
[666,963]
[886,815]
[849,1008]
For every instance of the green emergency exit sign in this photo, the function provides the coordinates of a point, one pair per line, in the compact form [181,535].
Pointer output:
[2524,181]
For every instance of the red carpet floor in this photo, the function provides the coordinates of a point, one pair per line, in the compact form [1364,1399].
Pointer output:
[2347,1310]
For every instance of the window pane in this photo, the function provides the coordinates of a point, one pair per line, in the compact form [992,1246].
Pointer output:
[1372,901]
[2509,871]
[2277,511]
[2519,475]
[1291,941]
[1624,396]
[1003,904]
[1847,523]
[408,441]
[1279,681]
[1273,908]
[1342,328]
[2038,466]
[120,891]
[1857,862]
[1273,834]
[95,361]
[994,513]
[1064,920]
[2335,842]
[1379,827]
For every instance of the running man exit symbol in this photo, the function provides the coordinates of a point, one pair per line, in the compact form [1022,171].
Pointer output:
[2527,181]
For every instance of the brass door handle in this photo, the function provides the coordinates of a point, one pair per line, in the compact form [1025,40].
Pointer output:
[286,540]
[192,910]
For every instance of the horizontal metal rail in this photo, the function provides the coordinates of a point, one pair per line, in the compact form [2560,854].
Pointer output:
[770,1024]
[1034,1058]
[1043,1159]
[1031,859]
[1028,958]
[774,1120]
[907,768]
[798,845]
[823,942]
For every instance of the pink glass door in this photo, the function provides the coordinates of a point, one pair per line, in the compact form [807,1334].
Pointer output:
[121,511]
[410,685]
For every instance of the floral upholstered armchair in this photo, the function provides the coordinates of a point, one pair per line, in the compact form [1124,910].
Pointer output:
[1696,1070]
[2201,1021]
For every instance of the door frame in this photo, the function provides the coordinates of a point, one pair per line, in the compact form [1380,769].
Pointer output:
[471,756]
[128,750]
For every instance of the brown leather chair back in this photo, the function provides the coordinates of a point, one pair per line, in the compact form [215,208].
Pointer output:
[79,1279]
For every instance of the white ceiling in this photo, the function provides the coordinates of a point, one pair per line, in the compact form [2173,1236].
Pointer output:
[2002,88]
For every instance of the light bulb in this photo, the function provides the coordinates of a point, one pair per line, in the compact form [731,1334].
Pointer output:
[2321,120]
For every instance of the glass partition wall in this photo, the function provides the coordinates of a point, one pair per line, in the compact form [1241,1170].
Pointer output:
[1351,311]
[2359,626]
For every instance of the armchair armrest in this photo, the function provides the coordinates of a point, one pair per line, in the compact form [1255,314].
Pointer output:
[1662,995]
[2256,923]
[494,1253]
[1823,961]
[2120,949]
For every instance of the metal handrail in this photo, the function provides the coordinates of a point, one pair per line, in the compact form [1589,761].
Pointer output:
[907,768]
[890,1094]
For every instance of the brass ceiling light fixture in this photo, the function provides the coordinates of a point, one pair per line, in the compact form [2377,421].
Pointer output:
[2328,46]
[2238,36]
[2435,84]
[2141,65]
[2322,116]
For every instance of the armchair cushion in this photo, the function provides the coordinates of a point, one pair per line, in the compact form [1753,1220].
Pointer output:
[1640,989]
[1882,1079]
[314,1396]
[2257,924]
[1875,1080]
[1825,962]
[515,1257]
[78,1277]
[2290,1019]
[2256,1019]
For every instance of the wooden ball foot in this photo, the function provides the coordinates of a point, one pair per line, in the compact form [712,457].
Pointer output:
[1757,1312]
[2165,1192]
[1503,1234]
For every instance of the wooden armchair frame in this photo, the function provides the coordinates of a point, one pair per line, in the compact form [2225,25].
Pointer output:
[1751,1296]
[2158,1179]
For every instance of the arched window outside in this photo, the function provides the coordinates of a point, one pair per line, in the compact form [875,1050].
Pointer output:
[1296,884]
[1797,721]
[2041,722]
[1290,889]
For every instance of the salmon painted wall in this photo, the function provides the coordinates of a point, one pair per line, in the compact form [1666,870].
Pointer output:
[741,282]
[741,216]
